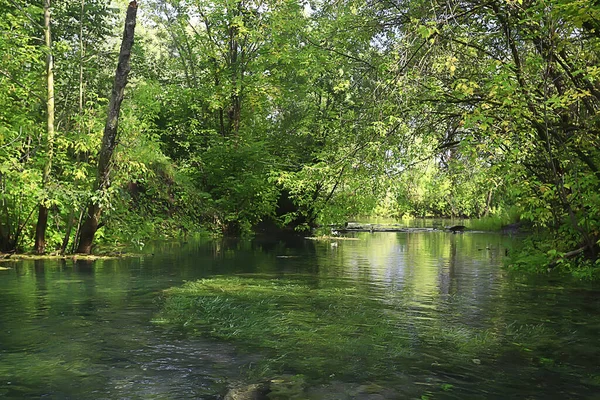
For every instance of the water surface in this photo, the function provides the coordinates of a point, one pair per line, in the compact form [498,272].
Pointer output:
[83,330]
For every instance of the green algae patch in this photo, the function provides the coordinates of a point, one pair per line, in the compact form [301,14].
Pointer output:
[323,330]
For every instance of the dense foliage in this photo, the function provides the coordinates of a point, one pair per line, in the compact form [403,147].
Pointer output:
[297,113]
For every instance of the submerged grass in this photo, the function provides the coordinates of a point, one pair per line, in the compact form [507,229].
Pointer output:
[320,330]
[326,331]
[314,330]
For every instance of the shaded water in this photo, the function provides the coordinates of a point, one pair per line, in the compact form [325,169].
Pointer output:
[83,330]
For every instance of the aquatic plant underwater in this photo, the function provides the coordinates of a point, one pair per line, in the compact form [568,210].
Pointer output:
[329,330]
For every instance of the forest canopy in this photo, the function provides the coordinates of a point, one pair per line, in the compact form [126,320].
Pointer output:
[242,113]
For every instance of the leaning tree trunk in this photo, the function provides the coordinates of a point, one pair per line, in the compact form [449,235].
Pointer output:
[109,140]
[42,222]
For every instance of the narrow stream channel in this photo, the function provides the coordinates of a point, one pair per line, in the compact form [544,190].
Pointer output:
[84,330]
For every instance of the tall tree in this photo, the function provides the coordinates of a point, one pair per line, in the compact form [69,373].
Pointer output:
[109,140]
[42,223]
[83,44]
[21,93]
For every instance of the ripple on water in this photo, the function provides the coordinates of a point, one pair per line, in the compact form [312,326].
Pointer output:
[467,328]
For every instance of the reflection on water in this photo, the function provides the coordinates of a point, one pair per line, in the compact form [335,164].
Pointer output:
[83,330]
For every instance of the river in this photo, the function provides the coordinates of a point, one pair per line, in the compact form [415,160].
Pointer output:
[85,330]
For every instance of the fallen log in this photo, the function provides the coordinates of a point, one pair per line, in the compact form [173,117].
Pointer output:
[355,227]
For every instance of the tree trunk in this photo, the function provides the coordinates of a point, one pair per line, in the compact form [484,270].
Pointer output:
[89,228]
[81,57]
[40,229]
[488,203]
[77,231]
[109,140]
[65,243]
[234,112]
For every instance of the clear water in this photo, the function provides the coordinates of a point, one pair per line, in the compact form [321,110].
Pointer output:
[83,330]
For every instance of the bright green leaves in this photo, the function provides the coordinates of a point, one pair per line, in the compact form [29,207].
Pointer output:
[427,31]
[465,88]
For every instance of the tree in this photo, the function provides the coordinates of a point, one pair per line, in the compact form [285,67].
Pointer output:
[109,140]
[22,54]
[83,34]
[514,80]
[40,230]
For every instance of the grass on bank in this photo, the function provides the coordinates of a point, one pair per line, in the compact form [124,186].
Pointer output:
[495,222]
